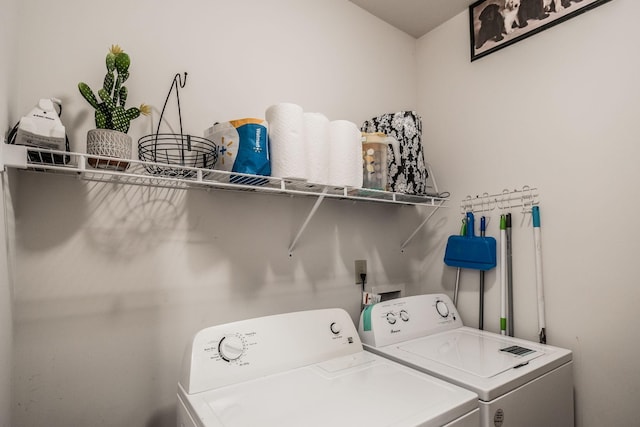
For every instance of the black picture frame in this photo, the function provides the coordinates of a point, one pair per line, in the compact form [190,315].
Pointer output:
[489,19]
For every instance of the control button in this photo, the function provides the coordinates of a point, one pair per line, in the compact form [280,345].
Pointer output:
[231,347]
[391,318]
[442,308]
[404,316]
[336,328]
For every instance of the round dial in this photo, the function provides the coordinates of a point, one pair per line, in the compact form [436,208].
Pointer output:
[442,308]
[404,316]
[231,347]
[336,328]
[391,318]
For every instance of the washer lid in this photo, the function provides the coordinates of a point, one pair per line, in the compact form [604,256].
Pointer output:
[362,389]
[482,355]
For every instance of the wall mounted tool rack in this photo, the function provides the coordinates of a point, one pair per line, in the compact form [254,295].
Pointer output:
[136,172]
[524,199]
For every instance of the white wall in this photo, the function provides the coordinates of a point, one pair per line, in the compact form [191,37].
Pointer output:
[111,281]
[8,49]
[559,111]
[241,57]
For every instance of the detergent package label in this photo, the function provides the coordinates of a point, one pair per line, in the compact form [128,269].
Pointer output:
[243,147]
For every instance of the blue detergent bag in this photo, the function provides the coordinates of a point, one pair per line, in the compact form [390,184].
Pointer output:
[243,147]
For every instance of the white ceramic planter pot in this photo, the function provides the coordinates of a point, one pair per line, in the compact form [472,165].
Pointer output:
[109,143]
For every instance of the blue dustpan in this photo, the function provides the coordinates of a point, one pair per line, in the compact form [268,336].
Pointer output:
[470,251]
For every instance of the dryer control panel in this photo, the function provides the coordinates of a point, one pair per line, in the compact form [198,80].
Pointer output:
[236,352]
[401,319]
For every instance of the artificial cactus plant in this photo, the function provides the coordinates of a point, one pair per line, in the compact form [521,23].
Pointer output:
[111,112]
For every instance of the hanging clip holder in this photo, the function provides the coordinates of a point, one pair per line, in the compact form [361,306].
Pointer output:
[524,198]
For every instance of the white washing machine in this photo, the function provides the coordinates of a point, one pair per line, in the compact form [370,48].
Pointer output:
[308,369]
[519,383]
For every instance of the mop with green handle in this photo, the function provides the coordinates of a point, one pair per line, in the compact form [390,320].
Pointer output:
[503,274]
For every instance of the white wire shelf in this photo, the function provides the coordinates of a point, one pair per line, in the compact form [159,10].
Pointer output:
[134,172]
[137,172]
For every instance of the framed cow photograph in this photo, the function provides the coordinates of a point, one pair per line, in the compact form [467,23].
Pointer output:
[499,23]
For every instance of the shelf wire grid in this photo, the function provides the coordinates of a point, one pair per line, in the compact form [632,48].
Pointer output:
[135,172]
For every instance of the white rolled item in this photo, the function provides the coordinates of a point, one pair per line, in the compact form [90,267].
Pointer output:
[345,154]
[286,139]
[316,136]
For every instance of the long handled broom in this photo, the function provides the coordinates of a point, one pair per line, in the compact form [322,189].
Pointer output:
[535,211]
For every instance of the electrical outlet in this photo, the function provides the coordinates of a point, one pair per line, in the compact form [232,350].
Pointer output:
[361,268]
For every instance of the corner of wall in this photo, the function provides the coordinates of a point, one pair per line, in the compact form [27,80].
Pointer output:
[8,49]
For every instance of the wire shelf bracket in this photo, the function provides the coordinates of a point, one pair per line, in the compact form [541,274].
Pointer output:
[406,242]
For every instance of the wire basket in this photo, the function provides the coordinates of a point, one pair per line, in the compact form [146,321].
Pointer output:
[175,155]
[171,153]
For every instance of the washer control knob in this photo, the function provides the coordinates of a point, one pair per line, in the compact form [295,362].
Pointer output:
[404,316]
[391,318]
[231,347]
[336,328]
[442,308]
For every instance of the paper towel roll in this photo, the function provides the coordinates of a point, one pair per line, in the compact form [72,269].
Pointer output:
[345,158]
[288,153]
[316,136]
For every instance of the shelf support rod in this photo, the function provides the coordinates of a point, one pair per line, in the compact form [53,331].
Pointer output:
[306,222]
[406,242]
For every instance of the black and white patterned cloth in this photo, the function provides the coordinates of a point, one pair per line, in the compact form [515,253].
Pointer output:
[409,173]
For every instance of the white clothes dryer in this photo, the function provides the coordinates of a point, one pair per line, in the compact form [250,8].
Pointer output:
[308,369]
[519,383]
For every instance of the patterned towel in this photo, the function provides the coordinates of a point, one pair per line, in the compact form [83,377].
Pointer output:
[409,173]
